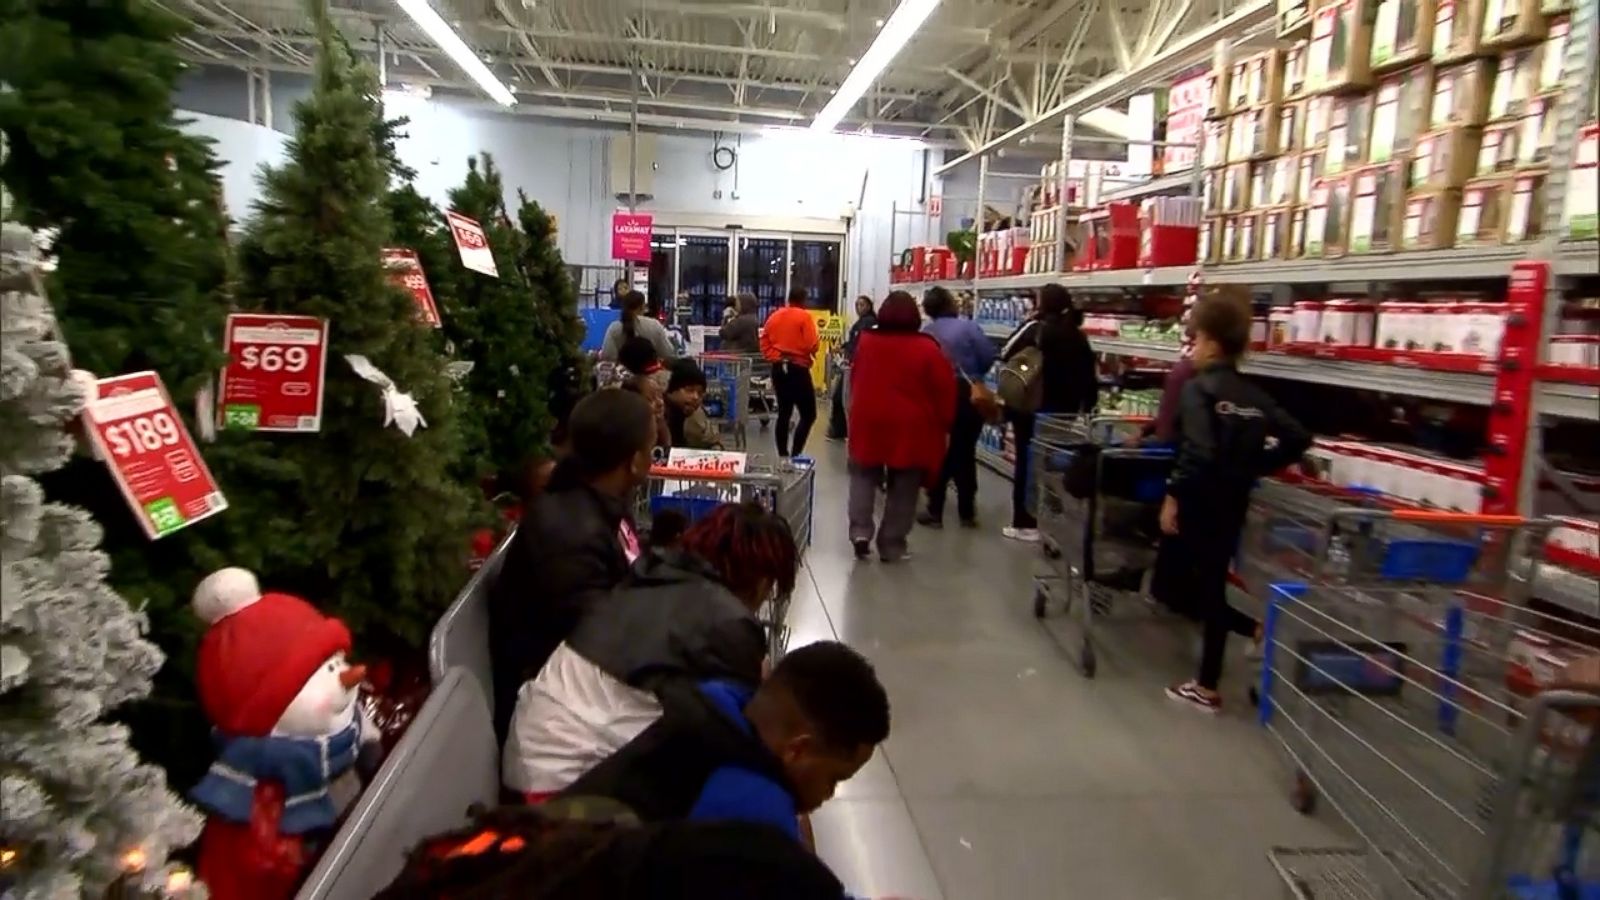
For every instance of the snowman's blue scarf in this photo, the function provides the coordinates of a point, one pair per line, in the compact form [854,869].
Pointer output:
[304,766]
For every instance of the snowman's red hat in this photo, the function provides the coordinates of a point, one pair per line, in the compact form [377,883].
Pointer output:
[258,651]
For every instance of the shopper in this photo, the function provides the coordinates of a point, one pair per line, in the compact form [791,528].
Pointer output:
[721,751]
[687,421]
[971,353]
[902,404]
[866,318]
[575,541]
[1224,425]
[741,329]
[685,613]
[634,323]
[1070,385]
[789,341]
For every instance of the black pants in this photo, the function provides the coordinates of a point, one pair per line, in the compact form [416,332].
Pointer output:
[1021,470]
[837,427]
[795,392]
[960,461]
[1191,577]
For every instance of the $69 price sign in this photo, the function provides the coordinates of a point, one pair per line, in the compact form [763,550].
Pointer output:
[155,463]
[274,378]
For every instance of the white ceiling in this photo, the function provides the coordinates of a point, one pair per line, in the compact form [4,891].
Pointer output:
[977,68]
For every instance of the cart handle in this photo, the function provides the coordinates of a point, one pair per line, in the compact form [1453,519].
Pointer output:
[692,474]
[1454,518]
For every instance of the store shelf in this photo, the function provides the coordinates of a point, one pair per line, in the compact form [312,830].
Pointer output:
[998,330]
[1568,400]
[1570,590]
[1173,182]
[1122,347]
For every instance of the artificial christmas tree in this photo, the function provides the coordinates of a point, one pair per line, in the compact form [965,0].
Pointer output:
[78,810]
[362,516]
[555,303]
[502,335]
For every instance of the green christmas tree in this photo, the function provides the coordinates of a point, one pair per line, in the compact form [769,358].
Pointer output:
[361,518]
[502,334]
[555,302]
[141,280]
[78,808]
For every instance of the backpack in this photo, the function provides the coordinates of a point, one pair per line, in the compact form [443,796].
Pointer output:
[1020,382]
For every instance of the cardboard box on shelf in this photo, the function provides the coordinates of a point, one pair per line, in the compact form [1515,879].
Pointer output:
[1319,113]
[1238,85]
[1246,245]
[1580,211]
[1236,188]
[1455,30]
[1400,111]
[1485,203]
[1340,56]
[1230,239]
[1508,23]
[1264,78]
[1536,136]
[1294,17]
[1280,182]
[1516,80]
[1444,159]
[1525,221]
[1275,231]
[1291,127]
[1219,98]
[1253,134]
[1214,148]
[1349,133]
[1299,222]
[1210,251]
[1430,220]
[1497,151]
[1461,94]
[1212,192]
[1308,169]
[1326,217]
[1553,56]
[1377,208]
[1402,33]
[1555,7]
[1294,68]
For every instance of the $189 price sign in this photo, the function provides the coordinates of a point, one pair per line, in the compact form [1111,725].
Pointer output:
[274,377]
[160,472]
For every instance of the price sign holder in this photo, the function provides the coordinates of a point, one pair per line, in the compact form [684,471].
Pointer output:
[275,374]
[137,432]
[682,460]
[472,244]
[405,271]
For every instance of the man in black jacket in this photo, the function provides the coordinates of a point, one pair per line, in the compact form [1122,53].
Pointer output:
[574,542]
[1230,433]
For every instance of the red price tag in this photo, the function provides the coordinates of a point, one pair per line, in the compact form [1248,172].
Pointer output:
[136,430]
[472,244]
[275,372]
[405,270]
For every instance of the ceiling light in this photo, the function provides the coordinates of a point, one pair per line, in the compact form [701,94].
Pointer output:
[451,43]
[902,24]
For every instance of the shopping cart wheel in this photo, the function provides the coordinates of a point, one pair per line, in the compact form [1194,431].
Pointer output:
[1303,796]
[1039,601]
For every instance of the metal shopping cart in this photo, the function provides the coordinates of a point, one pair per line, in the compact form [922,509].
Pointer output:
[1099,508]
[727,401]
[1396,679]
[788,489]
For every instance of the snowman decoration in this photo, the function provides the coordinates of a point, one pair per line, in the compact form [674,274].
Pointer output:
[273,679]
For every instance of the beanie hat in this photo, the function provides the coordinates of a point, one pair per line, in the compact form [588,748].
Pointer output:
[685,373]
[258,651]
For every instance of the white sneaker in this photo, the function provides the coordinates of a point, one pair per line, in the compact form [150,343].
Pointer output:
[1026,535]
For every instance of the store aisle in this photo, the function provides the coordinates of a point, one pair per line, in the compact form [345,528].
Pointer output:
[1007,775]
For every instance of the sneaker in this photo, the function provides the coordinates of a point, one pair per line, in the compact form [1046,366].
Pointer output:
[1026,535]
[929,520]
[863,548]
[969,523]
[1196,697]
[896,559]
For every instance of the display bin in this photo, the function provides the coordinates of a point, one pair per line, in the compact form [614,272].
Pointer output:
[460,639]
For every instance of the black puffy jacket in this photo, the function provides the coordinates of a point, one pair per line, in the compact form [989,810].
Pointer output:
[1224,425]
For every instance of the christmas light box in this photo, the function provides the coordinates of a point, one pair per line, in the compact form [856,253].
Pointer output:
[1400,112]
[1430,220]
[1461,94]
[1402,33]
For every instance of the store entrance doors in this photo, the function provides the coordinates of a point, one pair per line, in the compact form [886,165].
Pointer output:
[701,268]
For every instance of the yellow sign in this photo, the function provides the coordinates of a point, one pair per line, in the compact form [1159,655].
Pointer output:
[830,334]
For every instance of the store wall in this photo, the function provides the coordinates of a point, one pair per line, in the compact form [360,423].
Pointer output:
[564,166]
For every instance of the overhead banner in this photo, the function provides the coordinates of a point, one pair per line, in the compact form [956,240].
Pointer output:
[405,270]
[472,244]
[158,468]
[630,236]
[274,377]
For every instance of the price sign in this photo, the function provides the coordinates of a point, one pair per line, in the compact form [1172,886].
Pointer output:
[1186,115]
[136,430]
[275,372]
[472,244]
[719,462]
[405,271]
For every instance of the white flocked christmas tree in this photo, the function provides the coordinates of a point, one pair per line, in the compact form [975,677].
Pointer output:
[79,811]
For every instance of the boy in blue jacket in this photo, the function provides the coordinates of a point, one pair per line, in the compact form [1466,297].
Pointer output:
[722,752]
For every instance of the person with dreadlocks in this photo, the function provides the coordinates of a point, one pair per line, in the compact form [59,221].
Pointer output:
[686,613]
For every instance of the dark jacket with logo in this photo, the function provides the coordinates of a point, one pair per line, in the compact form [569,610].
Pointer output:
[567,552]
[1224,425]
[673,617]
[702,760]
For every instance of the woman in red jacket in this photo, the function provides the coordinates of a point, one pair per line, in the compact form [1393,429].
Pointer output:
[902,403]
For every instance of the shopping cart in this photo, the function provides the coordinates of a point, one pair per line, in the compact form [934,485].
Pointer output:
[788,489]
[1098,509]
[727,400]
[1398,680]
[763,399]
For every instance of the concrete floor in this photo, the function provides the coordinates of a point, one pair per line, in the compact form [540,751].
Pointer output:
[1009,775]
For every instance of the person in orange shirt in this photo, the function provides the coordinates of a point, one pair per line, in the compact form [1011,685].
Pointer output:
[789,341]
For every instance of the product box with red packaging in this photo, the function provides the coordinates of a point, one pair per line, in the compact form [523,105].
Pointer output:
[1112,234]
[1169,231]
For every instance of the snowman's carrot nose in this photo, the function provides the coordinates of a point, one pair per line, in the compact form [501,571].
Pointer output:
[352,676]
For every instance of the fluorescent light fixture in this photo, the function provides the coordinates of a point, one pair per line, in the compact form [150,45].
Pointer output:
[902,24]
[450,42]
